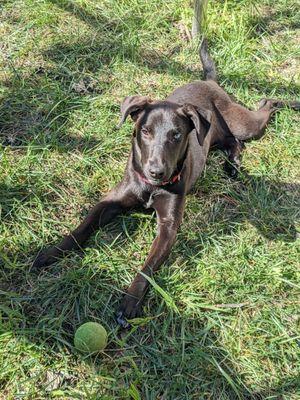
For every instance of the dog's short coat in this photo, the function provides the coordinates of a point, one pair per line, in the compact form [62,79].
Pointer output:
[170,144]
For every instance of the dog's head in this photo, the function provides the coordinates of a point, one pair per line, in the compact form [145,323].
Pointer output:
[161,133]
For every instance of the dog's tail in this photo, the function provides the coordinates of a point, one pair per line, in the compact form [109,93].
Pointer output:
[209,67]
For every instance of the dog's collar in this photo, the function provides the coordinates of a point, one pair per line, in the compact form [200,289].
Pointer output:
[174,179]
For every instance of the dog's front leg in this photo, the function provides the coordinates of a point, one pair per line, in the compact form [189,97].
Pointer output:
[116,201]
[169,209]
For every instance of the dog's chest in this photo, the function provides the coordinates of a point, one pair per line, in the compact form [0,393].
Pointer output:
[149,196]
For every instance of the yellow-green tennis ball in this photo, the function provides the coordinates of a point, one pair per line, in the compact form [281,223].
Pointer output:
[90,337]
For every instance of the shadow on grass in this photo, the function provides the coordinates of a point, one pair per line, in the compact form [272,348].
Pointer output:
[10,196]
[47,307]
[38,109]
[271,206]
[38,105]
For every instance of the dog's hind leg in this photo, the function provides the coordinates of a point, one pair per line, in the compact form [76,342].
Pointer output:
[274,105]
[261,117]
[246,125]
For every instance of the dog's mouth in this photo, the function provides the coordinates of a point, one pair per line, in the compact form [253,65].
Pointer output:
[173,178]
[157,182]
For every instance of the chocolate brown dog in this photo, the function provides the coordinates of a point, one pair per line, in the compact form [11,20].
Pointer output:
[170,143]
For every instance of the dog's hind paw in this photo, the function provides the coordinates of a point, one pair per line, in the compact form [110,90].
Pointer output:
[231,170]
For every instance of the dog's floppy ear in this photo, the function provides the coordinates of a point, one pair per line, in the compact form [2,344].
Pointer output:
[201,119]
[221,121]
[132,105]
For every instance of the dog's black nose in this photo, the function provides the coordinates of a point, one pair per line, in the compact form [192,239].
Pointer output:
[156,173]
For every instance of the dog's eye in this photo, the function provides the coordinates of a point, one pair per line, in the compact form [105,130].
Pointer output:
[177,136]
[145,131]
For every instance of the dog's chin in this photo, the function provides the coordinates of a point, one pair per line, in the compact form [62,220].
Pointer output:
[151,180]
[157,182]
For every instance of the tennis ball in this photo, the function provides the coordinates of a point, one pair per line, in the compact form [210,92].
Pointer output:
[90,337]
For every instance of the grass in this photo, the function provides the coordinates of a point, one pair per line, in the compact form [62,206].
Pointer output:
[222,318]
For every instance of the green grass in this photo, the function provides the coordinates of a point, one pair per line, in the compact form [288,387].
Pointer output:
[222,319]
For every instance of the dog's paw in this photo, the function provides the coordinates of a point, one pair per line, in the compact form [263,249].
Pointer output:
[262,103]
[45,258]
[231,170]
[130,308]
